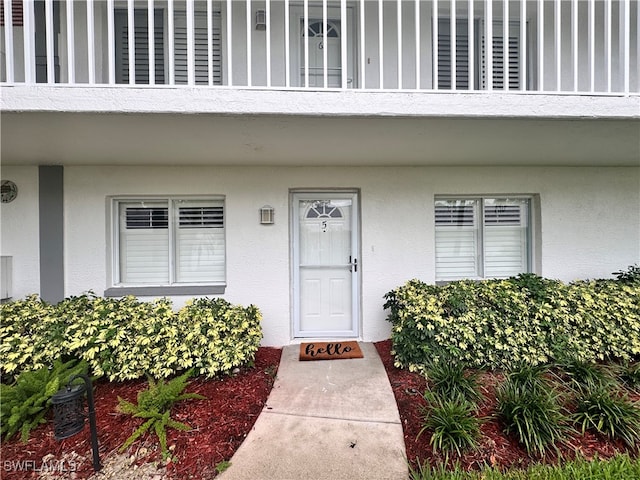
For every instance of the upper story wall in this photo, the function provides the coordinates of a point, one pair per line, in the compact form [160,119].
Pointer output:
[554,45]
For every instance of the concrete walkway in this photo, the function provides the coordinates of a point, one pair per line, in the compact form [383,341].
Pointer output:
[327,419]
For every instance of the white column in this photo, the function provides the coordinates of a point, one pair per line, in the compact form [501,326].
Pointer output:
[325,56]
[29,44]
[131,42]
[191,63]
[505,43]
[380,45]
[171,42]
[625,47]
[151,41]
[71,44]
[472,43]
[399,18]
[541,45]
[343,43]
[91,45]
[417,28]
[48,14]
[434,42]
[454,46]
[523,43]
[209,43]
[592,44]
[229,43]
[362,46]
[287,46]
[558,43]
[306,43]
[268,45]
[249,45]
[574,42]
[8,40]
[607,41]
[488,42]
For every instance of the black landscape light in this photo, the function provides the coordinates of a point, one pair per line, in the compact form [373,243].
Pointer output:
[69,414]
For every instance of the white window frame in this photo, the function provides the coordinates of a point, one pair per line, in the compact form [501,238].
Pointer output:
[480,233]
[172,286]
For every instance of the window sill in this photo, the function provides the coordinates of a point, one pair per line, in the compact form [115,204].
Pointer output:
[165,291]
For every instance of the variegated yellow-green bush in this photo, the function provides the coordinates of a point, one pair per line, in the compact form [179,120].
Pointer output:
[502,323]
[126,338]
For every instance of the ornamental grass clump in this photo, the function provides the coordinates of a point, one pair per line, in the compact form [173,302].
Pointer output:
[629,374]
[614,416]
[452,422]
[154,404]
[531,410]
[448,378]
[583,376]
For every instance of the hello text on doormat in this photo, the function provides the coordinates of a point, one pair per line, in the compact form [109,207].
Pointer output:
[330,351]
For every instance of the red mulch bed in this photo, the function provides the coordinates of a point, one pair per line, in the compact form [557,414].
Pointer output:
[495,448]
[219,425]
[222,421]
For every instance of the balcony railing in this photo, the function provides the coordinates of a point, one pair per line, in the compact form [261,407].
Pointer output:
[566,46]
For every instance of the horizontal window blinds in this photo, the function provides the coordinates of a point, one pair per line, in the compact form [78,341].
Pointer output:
[200,248]
[173,241]
[500,55]
[456,239]
[505,237]
[201,49]
[141,40]
[201,53]
[481,238]
[144,243]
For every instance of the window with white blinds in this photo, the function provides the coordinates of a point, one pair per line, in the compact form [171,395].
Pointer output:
[180,57]
[141,41]
[464,45]
[172,241]
[482,237]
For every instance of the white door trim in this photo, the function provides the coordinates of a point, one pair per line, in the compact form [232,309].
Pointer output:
[295,198]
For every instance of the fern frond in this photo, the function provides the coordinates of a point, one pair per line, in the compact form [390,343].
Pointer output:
[141,430]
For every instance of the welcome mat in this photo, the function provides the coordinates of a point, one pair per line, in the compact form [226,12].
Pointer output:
[330,351]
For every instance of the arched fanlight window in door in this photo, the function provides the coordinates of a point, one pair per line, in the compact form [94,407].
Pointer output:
[323,209]
[316,29]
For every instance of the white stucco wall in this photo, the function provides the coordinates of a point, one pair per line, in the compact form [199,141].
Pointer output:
[19,230]
[590,224]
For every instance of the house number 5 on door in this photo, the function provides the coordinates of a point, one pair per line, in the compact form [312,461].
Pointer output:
[324,225]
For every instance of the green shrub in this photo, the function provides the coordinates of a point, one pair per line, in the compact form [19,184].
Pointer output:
[503,323]
[533,414]
[25,403]
[452,422]
[448,379]
[154,405]
[126,338]
[610,415]
[30,336]
[630,275]
[219,336]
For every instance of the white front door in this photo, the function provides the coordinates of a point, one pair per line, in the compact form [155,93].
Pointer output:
[325,264]
[309,49]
